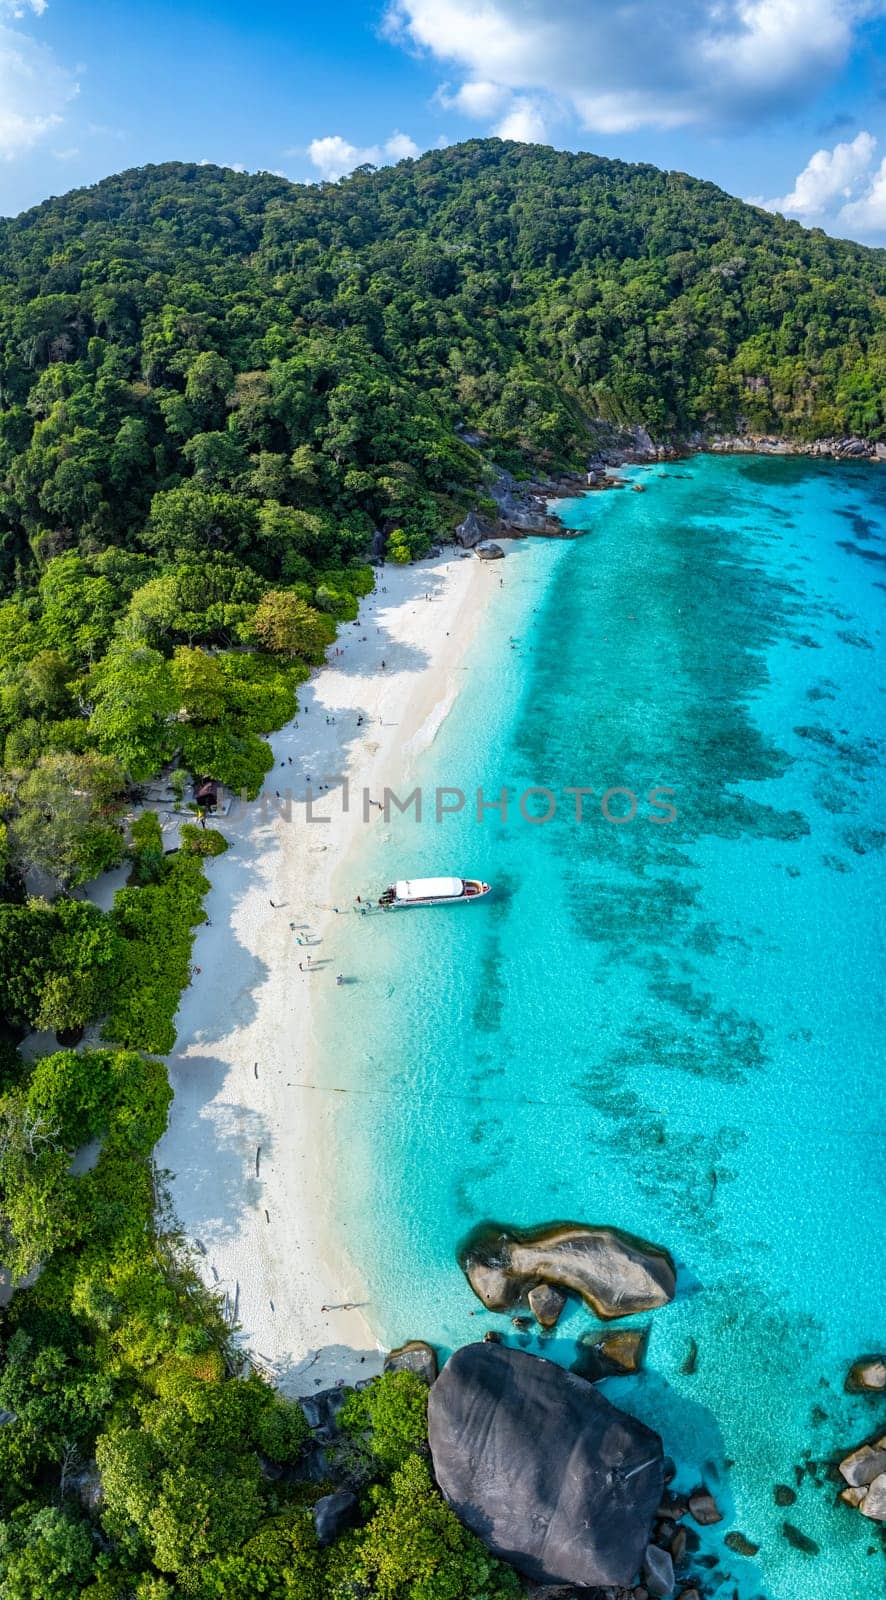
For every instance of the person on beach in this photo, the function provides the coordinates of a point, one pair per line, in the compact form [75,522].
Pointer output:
[339,977]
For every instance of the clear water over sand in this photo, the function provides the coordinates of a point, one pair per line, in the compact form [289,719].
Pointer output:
[674,1029]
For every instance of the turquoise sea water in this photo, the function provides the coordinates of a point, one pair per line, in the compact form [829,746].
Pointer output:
[676,1029]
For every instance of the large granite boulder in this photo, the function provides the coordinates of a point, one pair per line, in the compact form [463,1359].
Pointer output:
[615,1273]
[414,1356]
[550,1475]
[489,552]
[473,530]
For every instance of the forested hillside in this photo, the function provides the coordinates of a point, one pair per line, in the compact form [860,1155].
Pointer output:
[315,347]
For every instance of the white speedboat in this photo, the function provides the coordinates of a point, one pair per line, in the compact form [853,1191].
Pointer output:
[432,892]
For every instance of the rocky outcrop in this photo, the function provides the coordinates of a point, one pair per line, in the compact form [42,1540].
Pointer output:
[334,1514]
[473,530]
[846,447]
[868,1374]
[489,552]
[414,1356]
[862,1466]
[864,1472]
[546,1304]
[615,1273]
[542,1468]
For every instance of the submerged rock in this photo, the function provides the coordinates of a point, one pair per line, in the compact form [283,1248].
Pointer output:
[784,1495]
[615,1273]
[546,1304]
[800,1540]
[414,1356]
[542,1468]
[741,1545]
[867,1374]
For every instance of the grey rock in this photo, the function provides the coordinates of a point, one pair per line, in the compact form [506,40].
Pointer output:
[703,1508]
[472,531]
[862,1466]
[672,1508]
[615,1273]
[415,1356]
[868,1373]
[874,1503]
[678,1545]
[333,1514]
[853,1497]
[490,552]
[88,1487]
[542,1468]
[546,1304]
[658,1571]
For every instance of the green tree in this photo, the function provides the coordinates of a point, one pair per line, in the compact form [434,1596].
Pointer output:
[133,699]
[286,624]
[415,1548]
[45,1556]
[63,818]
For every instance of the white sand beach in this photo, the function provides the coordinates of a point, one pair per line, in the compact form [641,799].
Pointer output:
[250,1155]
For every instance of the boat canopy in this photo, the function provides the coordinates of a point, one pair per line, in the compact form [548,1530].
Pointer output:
[429,888]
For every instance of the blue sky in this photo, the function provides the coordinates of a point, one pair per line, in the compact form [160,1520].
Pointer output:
[782,101]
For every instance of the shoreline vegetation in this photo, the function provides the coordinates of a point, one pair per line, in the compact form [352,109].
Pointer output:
[223,399]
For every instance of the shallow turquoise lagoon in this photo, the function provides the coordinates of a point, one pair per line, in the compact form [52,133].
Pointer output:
[677,1029]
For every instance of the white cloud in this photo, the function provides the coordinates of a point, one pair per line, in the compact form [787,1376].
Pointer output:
[642,63]
[840,189]
[524,122]
[34,91]
[400,147]
[868,214]
[20,8]
[476,98]
[829,177]
[333,156]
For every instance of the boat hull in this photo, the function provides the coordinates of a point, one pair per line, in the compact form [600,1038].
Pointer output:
[474,889]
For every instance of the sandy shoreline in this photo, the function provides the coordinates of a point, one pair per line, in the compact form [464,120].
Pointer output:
[249,1154]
